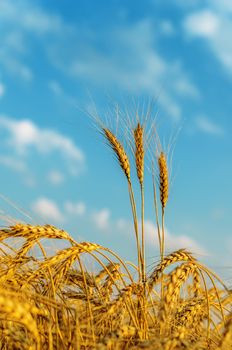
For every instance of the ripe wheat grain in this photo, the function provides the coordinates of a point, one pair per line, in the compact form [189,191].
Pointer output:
[163,179]
[139,152]
[119,151]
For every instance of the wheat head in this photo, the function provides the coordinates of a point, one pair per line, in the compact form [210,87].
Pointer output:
[177,256]
[119,151]
[176,279]
[163,179]
[139,152]
[34,231]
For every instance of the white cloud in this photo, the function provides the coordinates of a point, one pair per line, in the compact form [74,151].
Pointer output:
[16,67]
[167,28]
[101,219]
[122,224]
[13,163]
[47,209]
[58,91]
[215,26]
[2,89]
[207,126]
[19,166]
[132,41]
[222,5]
[185,88]
[55,87]
[172,241]
[21,22]
[172,108]
[188,4]
[132,62]
[14,40]
[55,177]
[25,134]
[202,23]
[30,17]
[75,208]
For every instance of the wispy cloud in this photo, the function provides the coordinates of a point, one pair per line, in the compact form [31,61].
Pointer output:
[75,208]
[167,28]
[30,17]
[55,177]
[172,241]
[207,126]
[202,23]
[22,21]
[47,209]
[185,88]
[214,25]
[147,72]
[13,163]
[15,66]
[24,135]
[2,89]
[55,87]
[101,219]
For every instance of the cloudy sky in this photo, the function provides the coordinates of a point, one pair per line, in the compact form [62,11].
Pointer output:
[58,61]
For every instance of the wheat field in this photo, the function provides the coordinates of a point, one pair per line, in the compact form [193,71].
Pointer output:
[54,302]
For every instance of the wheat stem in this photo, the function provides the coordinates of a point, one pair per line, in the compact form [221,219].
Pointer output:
[135,221]
[162,237]
[156,209]
[143,261]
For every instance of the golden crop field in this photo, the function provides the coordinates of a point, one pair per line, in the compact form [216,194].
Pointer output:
[54,301]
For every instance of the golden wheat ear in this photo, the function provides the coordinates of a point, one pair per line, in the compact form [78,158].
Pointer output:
[119,151]
[163,179]
[139,152]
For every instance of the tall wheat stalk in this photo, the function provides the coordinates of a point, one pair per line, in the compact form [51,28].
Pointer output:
[139,160]
[123,159]
[163,186]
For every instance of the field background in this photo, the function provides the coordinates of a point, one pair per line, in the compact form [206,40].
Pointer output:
[58,57]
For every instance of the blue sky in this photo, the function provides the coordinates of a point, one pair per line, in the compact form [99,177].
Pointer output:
[57,57]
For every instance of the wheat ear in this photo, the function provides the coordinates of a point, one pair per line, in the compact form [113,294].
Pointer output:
[139,152]
[119,151]
[34,231]
[189,316]
[163,179]
[178,276]
[177,256]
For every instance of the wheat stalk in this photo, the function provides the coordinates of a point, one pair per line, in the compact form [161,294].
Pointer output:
[163,186]
[139,160]
[123,159]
